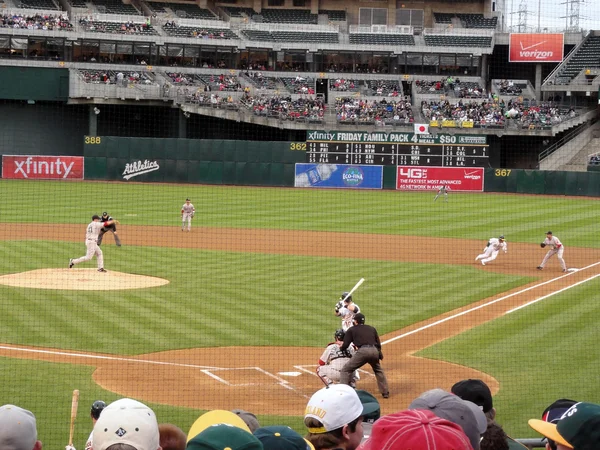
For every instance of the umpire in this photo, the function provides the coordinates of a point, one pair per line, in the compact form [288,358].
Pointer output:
[366,339]
[113,228]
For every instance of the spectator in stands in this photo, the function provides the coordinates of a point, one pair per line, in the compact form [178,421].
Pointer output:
[494,438]
[553,413]
[249,419]
[371,418]
[18,429]
[126,421]
[451,407]
[221,429]
[416,429]
[478,392]
[334,417]
[578,428]
[171,437]
[280,437]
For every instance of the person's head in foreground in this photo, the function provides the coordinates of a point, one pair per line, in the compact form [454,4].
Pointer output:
[334,418]
[416,430]
[219,430]
[578,428]
[126,424]
[18,430]
[280,437]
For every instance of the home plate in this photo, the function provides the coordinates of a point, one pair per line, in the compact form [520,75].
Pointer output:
[572,269]
[290,374]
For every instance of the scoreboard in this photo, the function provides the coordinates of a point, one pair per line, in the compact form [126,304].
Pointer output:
[403,149]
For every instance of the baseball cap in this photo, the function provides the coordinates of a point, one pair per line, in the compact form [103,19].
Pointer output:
[249,419]
[280,437]
[216,417]
[555,411]
[105,213]
[187,200]
[335,406]
[451,407]
[366,398]
[224,436]
[548,232]
[126,421]
[416,430]
[501,236]
[578,428]
[475,391]
[360,318]
[95,216]
[17,428]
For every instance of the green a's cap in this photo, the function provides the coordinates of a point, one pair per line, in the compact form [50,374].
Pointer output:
[370,404]
[279,437]
[578,428]
[222,436]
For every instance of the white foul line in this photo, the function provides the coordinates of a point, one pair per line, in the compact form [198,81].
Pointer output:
[551,294]
[462,313]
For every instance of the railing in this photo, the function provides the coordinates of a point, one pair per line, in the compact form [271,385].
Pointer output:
[565,139]
[119,18]
[565,60]
[449,31]
[381,29]
[257,26]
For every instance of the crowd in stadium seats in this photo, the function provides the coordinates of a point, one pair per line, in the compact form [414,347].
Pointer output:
[376,112]
[451,85]
[594,159]
[301,109]
[36,22]
[122,78]
[508,87]
[343,85]
[116,27]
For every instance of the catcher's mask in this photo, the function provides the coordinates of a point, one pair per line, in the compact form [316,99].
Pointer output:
[340,334]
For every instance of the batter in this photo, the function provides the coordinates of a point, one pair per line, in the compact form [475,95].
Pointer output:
[91,242]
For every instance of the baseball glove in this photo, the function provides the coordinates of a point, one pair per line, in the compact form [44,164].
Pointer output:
[542,245]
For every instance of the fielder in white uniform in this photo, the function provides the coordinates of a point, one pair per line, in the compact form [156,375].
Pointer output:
[346,309]
[91,242]
[556,248]
[333,360]
[491,250]
[187,212]
[443,190]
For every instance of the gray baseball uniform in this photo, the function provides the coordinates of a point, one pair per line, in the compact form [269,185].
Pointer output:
[187,212]
[556,248]
[91,242]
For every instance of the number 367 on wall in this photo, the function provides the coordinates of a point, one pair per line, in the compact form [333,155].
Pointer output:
[502,172]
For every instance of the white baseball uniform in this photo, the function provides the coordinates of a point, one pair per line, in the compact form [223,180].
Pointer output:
[347,316]
[490,252]
[187,212]
[556,248]
[91,242]
[442,191]
[333,360]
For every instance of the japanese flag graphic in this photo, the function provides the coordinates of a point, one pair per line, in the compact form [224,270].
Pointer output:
[421,128]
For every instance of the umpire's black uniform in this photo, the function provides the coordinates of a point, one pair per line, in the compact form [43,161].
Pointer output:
[112,228]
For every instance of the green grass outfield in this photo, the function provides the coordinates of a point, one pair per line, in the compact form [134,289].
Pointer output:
[214,298]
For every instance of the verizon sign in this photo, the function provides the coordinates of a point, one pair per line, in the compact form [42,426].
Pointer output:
[532,47]
[425,178]
[42,167]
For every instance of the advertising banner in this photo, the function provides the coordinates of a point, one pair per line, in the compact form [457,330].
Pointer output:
[42,167]
[339,176]
[536,47]
[410,178]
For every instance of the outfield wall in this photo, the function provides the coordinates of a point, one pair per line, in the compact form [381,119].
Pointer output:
[268,163]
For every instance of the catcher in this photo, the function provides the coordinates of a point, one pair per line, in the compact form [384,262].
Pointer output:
[556,248]
[333,359]
[187,213]
[112,228]
[491,250]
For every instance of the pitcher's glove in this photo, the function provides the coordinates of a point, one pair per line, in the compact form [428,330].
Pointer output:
[542,245]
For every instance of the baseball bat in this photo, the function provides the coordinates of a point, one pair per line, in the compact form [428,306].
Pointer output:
[356,286]
[74,405]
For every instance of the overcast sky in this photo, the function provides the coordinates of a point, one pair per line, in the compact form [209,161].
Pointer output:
[553,13]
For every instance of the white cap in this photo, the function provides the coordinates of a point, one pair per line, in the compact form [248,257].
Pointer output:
[17,428]
[126,421]
[334,406]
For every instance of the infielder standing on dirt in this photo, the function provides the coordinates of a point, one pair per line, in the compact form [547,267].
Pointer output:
[91,242]
[333,360]
[490,252]
[187,213]
[346,309]
[556,248]
[443,190]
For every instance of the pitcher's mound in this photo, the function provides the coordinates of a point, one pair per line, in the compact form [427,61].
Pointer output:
[80,280]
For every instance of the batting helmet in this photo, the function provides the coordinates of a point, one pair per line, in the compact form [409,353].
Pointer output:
[501,237]
[95,217]
[360,318]
[339,334]
[346,297]
[97,408]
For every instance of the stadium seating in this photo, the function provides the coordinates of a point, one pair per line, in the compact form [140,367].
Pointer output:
[172,29]
[344,85]
[334,15]
[304,109]
[468,20]
[115,7]
[259,81]
[78,3]
[299,85]
[36,22]
[288,16]
[381,39]
[586,57]
[190,10]
[237,11]
[38,4]
[113,77]
[352,110]
[291,36]
[96,26]
[384,88]
[220,82]
[445,40]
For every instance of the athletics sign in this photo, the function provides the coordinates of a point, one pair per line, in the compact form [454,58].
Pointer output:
[532,47]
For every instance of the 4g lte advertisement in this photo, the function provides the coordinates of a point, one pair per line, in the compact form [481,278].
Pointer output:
[421,178]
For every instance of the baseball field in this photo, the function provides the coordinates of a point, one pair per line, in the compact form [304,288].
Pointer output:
[236,313]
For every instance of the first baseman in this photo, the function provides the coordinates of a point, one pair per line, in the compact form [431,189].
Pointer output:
[187,212]
[490,252]
[556,248]
[91,242]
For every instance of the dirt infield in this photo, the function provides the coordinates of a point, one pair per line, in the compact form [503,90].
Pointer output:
[259,375]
